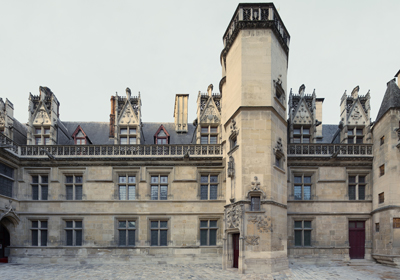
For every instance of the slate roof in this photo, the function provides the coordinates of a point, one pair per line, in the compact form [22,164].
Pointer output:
[390,100]
[20,132]
[150,128]
[96,131]
[328,133]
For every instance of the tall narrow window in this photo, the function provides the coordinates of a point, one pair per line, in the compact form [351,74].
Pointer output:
[209,135]
[40,187]
[302,187]
[159,233]
[127,135]
[382,140]
[357,187]
[255,203]
[208,233]
[381,197]
[73,231]
[396,222]
[6,180]
[382,170]
[302,233]
[376,227]
[39,233]
[209,187]
[73,184]
[126,232]
[127,187]
[159,187]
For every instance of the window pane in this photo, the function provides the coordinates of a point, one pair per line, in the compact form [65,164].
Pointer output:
[35,192]
[43,238]
[306,131]
[132,140]
[131,224]
[361,192]
[163,192]
[213,179]
[154,192]
[78,224]
[35,236]
[69,238]
[213,191]
[204,179]
[38,141]
[204,192]
[361,179]
[213,223]
[154,224]
[298,224]
[43,224]
[306,140]
[307,193]
[122,179]
[78,192]
[203,237]
[297,179]
[35,224]
[154,237]
[69,179]
[296,140]
[47,141]
[296,131]
[352,179]
[44,192]
[213,139]
[164,179]
[131,179]
[297,192]
[45,179]
[360,224]
[204,130]
[359,132]
[131,237]
[69,193]
[123,141]
[213,129]
[38,130]
[122,237]
[350,132]
[213,237]
[352,225]
[78,236]
[132,193]
[122,224]
[122,192]
[352,192]
[69,224]
[255,203]
[204,140]
[350,140]
[154,179]
[124,131]
[163,238]
[359,140]
[35,179]
[307,179]
[163,224]
[297,238]
[203,223]
[78,179]
[132,130]
[307,224]
[307,238]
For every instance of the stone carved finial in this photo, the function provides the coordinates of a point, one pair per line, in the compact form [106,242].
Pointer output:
[255,189]
[355,91]
[302,90]
[255,185]
[128,93]
[210,89]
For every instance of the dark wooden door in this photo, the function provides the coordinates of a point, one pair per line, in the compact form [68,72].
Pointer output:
[235,243]
[357,239]
[4,241]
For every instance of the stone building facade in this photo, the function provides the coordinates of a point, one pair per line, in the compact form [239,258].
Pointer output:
[257,178]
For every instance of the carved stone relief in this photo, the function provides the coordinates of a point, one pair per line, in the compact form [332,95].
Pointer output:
[210,114]
[255,189]
[42,117]
[356,114]
[234,216]
[252,240]
[263,224]
[128,116]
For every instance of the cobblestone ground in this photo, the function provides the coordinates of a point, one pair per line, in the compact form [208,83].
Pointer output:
[163,271]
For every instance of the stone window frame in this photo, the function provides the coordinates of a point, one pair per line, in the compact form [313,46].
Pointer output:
[128,135]
[357,184]
[30,172]
[74,184]
[377,227]
[43,135]
[4,189]
[208,228]
[301,136]
[126,171]
[396,222]
[168,229]
[209,184]
[312,229]
[117,229]
[127,186]
[40,230]
[355,135]
[381,170]
[74,230]
[160,172]
[209,133]
[303,183]
[255,205]
[382,140]
[381,197]
[209,172]
[40,185]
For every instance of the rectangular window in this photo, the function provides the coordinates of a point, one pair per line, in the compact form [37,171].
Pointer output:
[209,135]
[42,135]
[73,185]
[126,233]
[301,134]
[208,187]
[127,187]
[355,135]
[381,197]
[40,187]
[357,185]
[73,231]
[396,222]
[159,187]
[302,233]
[255,203]
[39,233]
[382,140]
[376,227]
[382,170]
[158,233]
[6,180]
[127,135]
[208,232]
[302,187]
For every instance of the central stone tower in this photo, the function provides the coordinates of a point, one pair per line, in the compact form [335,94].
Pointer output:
[254,135]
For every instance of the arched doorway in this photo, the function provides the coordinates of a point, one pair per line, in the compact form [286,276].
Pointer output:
[4,243]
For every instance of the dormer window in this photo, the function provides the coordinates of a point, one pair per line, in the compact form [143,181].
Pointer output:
[301,134]
[209,135]
[127,135]
[162,136]
[80,137]
[355,135]
[42,136]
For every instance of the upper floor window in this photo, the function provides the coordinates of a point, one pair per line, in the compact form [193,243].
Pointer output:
[209,187]
[159,187]
[126,232]
[39,233]
[80,139]
[382,140]
[381,197]
[255,203]
[42,135]
[357,187]
[73,184]
[302,187]
[209,135]
[127,135]
[127,187]
[396,222]
[301,134]
[161,137]
[6,180]
[382,170]
[355,135]
[40,187]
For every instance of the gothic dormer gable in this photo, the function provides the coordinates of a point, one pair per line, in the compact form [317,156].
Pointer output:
[128,116]
[132,100]
[80,137]
[302,114]
[41,115]
[161,136]
[210,114]
[357,114]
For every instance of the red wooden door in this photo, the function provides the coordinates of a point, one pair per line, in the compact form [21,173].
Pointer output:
[357,239]
[235,243]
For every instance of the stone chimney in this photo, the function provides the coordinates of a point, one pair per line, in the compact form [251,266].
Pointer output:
[112,117]
[398,78]
[181,113]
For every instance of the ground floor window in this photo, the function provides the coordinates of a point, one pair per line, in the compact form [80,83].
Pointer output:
[208,232]
[126,232]
[39,233]
[159,233]
[302,233]
[74,234]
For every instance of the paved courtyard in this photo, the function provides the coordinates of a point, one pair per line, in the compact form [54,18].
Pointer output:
[165,271]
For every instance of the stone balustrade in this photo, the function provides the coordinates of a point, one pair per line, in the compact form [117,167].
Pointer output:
[333,150]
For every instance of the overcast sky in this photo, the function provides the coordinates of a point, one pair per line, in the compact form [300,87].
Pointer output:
[85,51]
